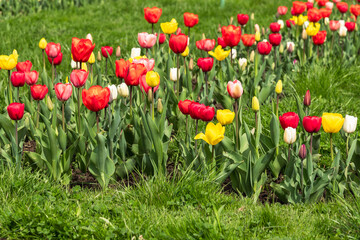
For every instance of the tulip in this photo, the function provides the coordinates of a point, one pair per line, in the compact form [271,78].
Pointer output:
[350,26]
[299,20]
[221,42]
[264,48]
[290,135]
[184,106]
[312,125]
[325,12]
[255,104]
[52,51]
[146,40]
[290,46]
[302,152]
[242,63]
[257,36]
[24,66]
[225,117]
[278,87]
[18,79]
[213,134]
[169,27]
[31,77]
[322,3]
[248,39]
[355,10]
[135,71]
[121,68]
[334,25]
[89,36]
[81,49]
[312,29]
[162,38]
[289,23]
[205,64]
[275,39]
[231,35]
[57,60]
[148,63]
[302,155]
[190,20]
[123,90]
[63,91]
[275,27]
[349,127]
[38,92]
[289,119]
[319,38]
[298,8]
[78,78]
[186,52]
[314,15]
[342,7]
[178,43]
[282,10]
[152,15]
[242,19]
[106,51]
[332,123]
[9,62]
[252,56]
[118,52]
[174,74]
[307,99]
[342,31]
[206,44]
[152,79]
[329,5]
[42,43]
[281,23]
[113,93]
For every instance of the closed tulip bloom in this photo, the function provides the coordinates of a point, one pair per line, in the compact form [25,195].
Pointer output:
[16,111]
[184,106]
[264,48]
[213,134]
[31,77]
[121,68]
[325,12]
[290,135]
[307,98]
[314,15]
[17,79]
[148,63]
[113,93]
[242,63]
[275,39]
[332,122]
[123,90]
[221,42]
[106,51]
[322,3]
[350,123]
[299,20]
[290,46]
[92,58]
[173,74]
[298,8]
[313,29]
[282,10]
[207,113]
[334,25]
[302,152]
[257,36]
[24,66]
[242,19]
[342,7]
[248,39]
[225,116]
[9,62]
[135,52]
[146,40]
[89,36]
[162,38]
[319,38]
[136,70]
[255,104]
[152,15]
[195,110]
[205,64]
[281,23]
[205,44]
[152,79]
[42,43]
[231,35]
[309,5]
[63,91]
[342,31]
[235,89]
[81,49]
[169,27]
[78,77]
[96,98]
[350,26]
[355,10]
[278,88]
[289,119]
[329,5]
[274,27]
[190,19]
[38,92]
[289,23]
[186,52]
[57,60]
[53,49]
[312,124]
[178,43]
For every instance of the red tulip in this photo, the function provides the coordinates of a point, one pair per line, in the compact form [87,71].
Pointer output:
[63,91]
[289,119]
[136,70]
[309,5]
[334,25]
[312,124]
[57,60]
[121,68]
[342,6]
[53,49]
[38,92]
[205,44]
[190,19]
[17,79]
[16,111]
[205,64]
[322,3]
[207,113]
[282,10]
[275,27]
[106,51]
[290,23]
[145,87]
[81,49]
[194,110]
[31,77]
[325,12]
[275,39]
[298,8]
[162,38]
[314,15]
[78,77]
[350,26]
[307,98]
[231,35]
[152,15]
[302,152]
[355,10]
[264,48]
[242,19]
[178,43]
[319,38]
[24,66]
[96,98]
[248,39]
[184,106]
[221,42]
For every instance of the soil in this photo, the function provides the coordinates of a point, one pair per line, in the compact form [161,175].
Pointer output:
[29,146]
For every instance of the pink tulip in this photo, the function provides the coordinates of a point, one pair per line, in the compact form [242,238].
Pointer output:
[235,89]
[146,40]
[329,5]
[78,78]
[31,77]
[148,63]
[63,91]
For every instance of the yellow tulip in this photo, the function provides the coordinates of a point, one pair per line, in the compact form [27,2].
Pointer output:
[225,116]
[213,134]
[257,36]
[42,43]
[299,20]
[186,52]
[152,79]
[169,27]
[136,58]
[278,88]
[220,54]
[9,62]
[313,29]
[92,58]
[255,104]
[332,122]
[84,66]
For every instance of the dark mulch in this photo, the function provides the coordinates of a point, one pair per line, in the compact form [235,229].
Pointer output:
[29,146]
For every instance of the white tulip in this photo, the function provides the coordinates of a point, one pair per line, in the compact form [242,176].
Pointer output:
[290,46]
[306,24]
[135,52]
[113,93]
[257,28]
[329,5]
[233,53]
[326,21]
[242,63]
[281,23]
[342,31]
[74,64]
[88,36]
[290,135]
[123,90]
[311,1]
[342,22]
[173,74]
[350,124]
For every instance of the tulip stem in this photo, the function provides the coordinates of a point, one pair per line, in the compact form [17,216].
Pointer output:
[347,145]
[274,57]
[52,70]
[213,162]
[311,142]
[332,41]
[256,63]
[189,32]
[17,146]
[317,52]
[289,153]
[63,115]
[43,54]
[146,52]
[79,96]
[38,115]
[111,140]
[91,74]
[178,77]
[277,105]
[196,131]
[186,130]
[10,93]
[331,148]
[18,90]
[153,103]
[206,86]
[231,55]
[236,125]
[302,177]
[131,88]
[97,122]
[152,26]
[106,63]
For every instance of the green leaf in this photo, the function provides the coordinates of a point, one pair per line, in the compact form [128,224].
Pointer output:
[275,130]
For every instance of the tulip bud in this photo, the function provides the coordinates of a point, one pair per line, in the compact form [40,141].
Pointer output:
[273,66]
[255,104]
[342,23]
[302,152]
[219,28]
[191,64]
[257,28]
[242,63]
[118,52]
[350,123]
[49,103]
[84,66]
[233,53]
[281,23]
[42,43]
[159,106]
[203,36]
[342,31]
[326,21]
[306,24]
[173,74]
[113,93]
[67,79]
[278,88]
[263,31]
[252,56]
[135,52]
[290,47]
[123,90]
[290,135]
[252,16]
[88,36]
[304,34]
[231,20]
[307,98]
[281,49]
[150,95]
[99,56]
[257,36]
[73,64]
[92,58]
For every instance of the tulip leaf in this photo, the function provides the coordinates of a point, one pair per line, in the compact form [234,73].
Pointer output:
[275,130]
